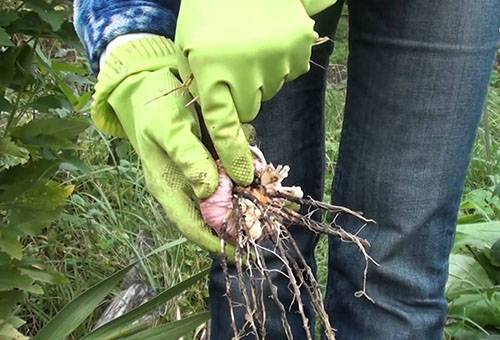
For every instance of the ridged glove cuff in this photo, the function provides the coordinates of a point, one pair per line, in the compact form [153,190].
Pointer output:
[148,54]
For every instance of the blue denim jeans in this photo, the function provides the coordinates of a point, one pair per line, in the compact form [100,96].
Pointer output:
[418,74]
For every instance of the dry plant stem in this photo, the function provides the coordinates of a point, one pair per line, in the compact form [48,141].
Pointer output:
[274,290]
[184,86]
[309,202]
[317,65]
[228,288]
[314,288]
[274,218]
[257,297]
[344,236]
[322,40]
[247,302]
[296,290]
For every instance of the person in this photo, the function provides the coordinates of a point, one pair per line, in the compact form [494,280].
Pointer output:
[418,74]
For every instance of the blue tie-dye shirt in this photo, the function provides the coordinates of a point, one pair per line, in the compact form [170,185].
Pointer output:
[98,22]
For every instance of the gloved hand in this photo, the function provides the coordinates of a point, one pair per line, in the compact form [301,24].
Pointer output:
[240,53]
[136,97]
[315,6]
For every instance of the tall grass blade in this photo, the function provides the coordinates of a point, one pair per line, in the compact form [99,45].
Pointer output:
[172,330]
[74,313]
[114,329]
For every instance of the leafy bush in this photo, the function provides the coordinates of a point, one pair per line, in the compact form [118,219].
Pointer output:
[39,137]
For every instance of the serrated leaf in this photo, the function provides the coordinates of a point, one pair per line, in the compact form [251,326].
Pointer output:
[44,275]
[8,301]
[31,222]
[8,17]
[58,127]
[19,179]
[11,154]
[5,38]
[49,141]
[29,23]
[51,102]
[12,278]
[54,18]
[49,195]
[37,207]
[9,244]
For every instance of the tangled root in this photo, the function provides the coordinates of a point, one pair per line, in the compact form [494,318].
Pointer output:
[246,217]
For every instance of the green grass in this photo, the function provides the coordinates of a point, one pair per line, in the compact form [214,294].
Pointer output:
[95,236]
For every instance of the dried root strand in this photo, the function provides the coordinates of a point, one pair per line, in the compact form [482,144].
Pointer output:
[263,213]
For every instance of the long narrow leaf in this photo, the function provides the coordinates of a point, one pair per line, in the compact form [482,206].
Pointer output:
[113,328]
[172,330]
[75,312]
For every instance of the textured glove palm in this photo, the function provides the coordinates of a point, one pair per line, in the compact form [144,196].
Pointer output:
[136,97]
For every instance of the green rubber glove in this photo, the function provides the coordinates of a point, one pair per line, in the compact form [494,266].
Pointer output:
[315,6]
[136,97]
[239,53]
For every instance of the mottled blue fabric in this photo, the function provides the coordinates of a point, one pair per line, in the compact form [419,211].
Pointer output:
[98,22]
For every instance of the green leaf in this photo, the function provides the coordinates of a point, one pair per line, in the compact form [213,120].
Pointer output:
[116,326]
[462,330]
[37,207]
[172,330]
[8,331]
[44,196]
[8,301]
[5,105]
[83,100]
[74,313]
[32,172]
[478,235]
[11,154]
[15,321]
[54,18]
[8,65]
[44,275]
[69,67]
[8,17]
[482,308]
[59,127]
[31,222]
[5,38]
[12,278]
[494,254]
[65,89]
[483,257]
[50,102]
[465,274]
[9,243]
